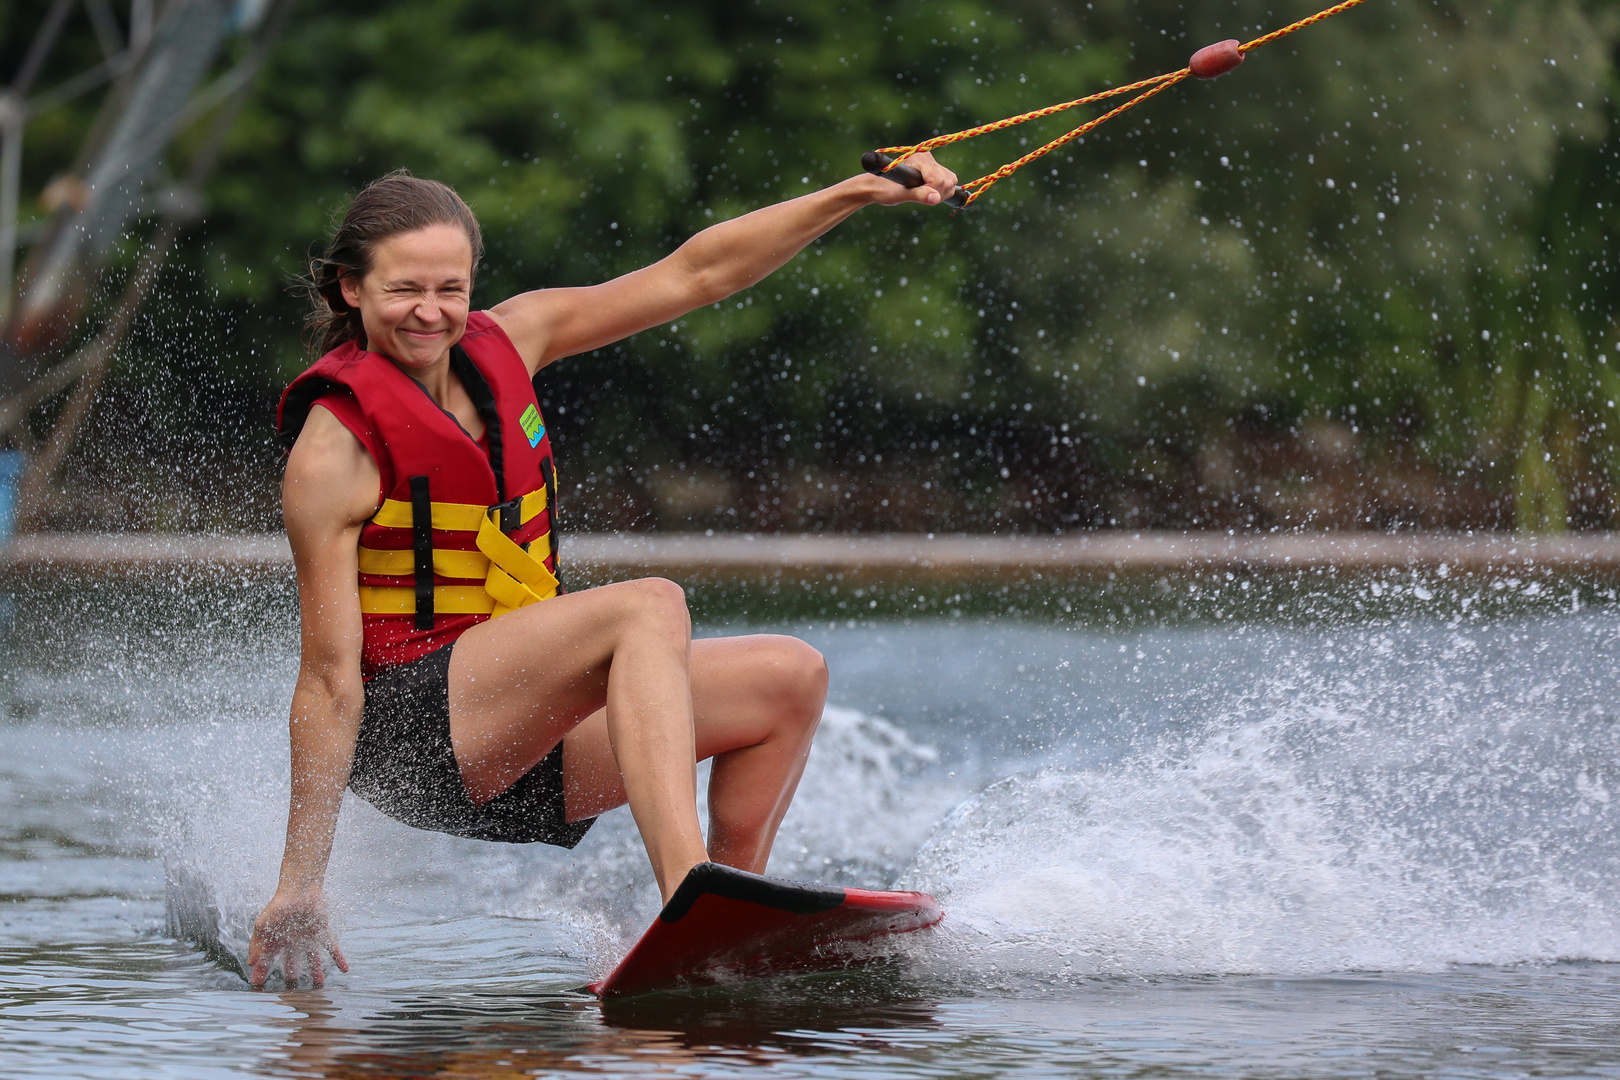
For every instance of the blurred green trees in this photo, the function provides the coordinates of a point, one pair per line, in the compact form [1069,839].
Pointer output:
[1365,279]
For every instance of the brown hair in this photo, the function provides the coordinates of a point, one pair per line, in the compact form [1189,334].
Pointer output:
[394,204]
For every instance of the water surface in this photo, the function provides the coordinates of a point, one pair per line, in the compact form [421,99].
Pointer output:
[1323,831]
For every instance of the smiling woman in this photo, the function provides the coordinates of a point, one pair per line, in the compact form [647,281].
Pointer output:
[445,674]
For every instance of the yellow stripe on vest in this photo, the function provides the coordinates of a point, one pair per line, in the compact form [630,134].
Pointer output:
[452,517]
[447,600]
[473,565]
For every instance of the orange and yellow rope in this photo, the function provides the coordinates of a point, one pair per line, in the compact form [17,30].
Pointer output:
[1148,88]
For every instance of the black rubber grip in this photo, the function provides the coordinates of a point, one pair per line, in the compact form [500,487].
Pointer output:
[876,162]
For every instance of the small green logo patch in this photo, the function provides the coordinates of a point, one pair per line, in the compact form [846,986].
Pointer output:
[532,426]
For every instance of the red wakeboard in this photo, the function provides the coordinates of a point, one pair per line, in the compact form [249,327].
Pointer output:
[725,924]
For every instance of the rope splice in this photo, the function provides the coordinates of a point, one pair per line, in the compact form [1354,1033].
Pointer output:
[1210,62]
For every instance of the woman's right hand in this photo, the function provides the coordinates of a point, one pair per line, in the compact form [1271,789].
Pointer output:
[294,928]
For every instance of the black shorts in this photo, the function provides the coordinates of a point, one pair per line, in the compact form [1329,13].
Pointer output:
[405,767]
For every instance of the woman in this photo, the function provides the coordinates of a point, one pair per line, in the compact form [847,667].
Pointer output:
[443,674]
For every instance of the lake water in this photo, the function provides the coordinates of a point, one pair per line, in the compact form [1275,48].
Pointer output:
[1296,829]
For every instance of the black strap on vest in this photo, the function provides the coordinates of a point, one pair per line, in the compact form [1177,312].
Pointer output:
[422,544]
[551,495]
[551,508]
[483,399]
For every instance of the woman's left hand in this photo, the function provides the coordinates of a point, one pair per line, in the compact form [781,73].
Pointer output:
[939,183]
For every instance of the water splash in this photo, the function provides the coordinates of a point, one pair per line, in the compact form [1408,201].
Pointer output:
[1403,796]
[1309,829]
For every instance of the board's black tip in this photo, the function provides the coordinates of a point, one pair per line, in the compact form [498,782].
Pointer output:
[798,898]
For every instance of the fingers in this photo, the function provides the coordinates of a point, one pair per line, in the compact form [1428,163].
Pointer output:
[293,963]
[938,184]
[260,973]
[938,181]
[258,962]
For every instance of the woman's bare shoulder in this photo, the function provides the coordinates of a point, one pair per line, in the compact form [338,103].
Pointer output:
[331,479]
[526,321]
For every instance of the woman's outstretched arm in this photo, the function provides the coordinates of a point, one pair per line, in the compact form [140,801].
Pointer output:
[330,488]
[723,259]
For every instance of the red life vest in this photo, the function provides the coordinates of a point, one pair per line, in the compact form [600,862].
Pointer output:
[463,533]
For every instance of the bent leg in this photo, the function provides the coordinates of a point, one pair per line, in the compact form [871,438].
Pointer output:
[519,683]
[756,703]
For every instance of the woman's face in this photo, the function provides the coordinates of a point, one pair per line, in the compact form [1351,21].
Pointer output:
[414,301]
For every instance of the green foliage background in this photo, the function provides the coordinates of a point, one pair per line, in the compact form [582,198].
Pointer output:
[1381,251]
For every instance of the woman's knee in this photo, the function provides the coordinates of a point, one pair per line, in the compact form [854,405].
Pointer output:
[799,672]
[659,603]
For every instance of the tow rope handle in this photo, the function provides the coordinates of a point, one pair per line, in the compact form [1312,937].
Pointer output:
[1210,62]
[878,163]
